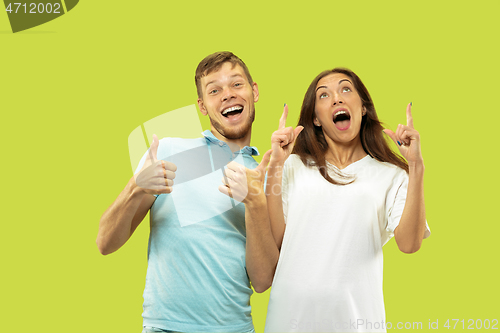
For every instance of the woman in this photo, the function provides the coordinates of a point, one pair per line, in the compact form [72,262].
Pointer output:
[344,195]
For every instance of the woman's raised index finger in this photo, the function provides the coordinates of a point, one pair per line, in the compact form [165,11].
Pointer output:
[283,117]
[409,117]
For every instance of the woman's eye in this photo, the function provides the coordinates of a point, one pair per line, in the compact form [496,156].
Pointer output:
[346,89]
[323,95]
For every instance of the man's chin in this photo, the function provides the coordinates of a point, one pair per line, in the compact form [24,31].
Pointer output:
[233,133]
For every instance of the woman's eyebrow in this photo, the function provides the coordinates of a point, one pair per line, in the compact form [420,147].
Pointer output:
[338,83]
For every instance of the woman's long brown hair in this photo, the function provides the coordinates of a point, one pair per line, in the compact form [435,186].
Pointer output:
[311,145]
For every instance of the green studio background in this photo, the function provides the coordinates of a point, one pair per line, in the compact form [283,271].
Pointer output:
[73,89]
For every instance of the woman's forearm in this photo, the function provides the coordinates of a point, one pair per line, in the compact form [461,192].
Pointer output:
[261,251]
[410,231]
[274,201]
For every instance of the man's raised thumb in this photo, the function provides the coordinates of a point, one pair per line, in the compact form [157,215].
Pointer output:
[265,160]
[153,150]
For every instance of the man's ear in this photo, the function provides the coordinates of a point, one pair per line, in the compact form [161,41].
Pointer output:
[201,105]
[255,89]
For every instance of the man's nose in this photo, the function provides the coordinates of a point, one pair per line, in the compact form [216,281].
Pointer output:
[227,94]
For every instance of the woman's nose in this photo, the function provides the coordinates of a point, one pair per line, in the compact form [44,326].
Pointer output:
[337,99]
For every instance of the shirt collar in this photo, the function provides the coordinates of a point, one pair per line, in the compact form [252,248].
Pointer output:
[250,150]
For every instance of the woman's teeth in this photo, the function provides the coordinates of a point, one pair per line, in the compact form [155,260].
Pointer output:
[340,116]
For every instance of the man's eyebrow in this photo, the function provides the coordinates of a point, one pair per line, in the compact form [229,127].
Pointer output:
[232,76]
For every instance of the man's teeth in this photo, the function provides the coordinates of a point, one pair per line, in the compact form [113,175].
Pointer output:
[234,108]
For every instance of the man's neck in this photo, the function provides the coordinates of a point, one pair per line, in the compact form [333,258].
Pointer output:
[234,144]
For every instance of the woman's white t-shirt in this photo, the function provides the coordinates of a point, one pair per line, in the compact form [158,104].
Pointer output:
[329,274]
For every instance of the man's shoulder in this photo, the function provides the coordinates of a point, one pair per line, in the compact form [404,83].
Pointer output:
[172,145]
[183,141]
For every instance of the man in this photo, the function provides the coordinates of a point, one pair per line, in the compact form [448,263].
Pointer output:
[200,255]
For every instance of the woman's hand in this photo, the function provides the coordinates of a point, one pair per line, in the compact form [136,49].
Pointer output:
[283,139]
[407,139]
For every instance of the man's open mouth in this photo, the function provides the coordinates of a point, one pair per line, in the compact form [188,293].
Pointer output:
[232,111]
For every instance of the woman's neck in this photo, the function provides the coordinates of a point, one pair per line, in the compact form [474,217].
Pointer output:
[343,154]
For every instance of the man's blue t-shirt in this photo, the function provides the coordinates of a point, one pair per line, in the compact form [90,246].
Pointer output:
[196,279]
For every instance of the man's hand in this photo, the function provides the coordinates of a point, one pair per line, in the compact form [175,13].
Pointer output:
[243,184]
[283,139]
[156,176]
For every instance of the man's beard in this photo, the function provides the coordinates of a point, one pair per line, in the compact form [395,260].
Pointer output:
[234,133]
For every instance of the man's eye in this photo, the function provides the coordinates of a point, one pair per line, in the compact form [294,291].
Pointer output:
[213,91]
[237,84]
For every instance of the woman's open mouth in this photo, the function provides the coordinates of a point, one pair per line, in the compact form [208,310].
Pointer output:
[342,120]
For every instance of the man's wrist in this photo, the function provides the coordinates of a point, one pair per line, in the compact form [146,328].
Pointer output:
[135,189]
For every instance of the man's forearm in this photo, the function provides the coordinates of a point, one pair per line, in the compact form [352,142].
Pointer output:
[261,251]
[117,222]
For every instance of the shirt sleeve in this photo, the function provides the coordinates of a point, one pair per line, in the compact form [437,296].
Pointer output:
[395,204]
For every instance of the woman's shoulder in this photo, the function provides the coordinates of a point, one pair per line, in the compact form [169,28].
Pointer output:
[387,167]
[293,165]
[293,160]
